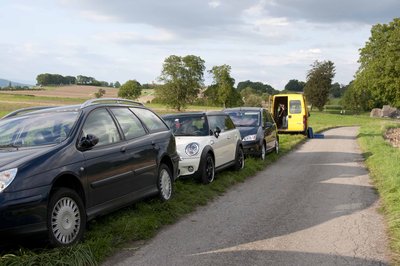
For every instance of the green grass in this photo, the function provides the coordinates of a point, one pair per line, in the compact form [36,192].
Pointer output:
[106,235]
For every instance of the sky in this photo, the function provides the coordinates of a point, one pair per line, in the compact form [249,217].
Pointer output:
[271,41]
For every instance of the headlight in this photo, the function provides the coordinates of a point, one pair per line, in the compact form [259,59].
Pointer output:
[250,138]
[6,177]
[192,149]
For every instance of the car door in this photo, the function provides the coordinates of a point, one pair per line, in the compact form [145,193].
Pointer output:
[269,130]
[224,151]
[139,149]
[107,167]
[295,115]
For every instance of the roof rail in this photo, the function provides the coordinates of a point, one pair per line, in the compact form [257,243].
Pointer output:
[108,100]
[25,110]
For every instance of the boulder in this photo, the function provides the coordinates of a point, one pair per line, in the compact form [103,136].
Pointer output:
[376,112]
[388,111]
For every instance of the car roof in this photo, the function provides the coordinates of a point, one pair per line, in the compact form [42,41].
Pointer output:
[188,114]
[244,109]
[71,108]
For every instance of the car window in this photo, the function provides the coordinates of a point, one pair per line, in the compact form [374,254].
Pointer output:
[151,120]
[36,130]
[100,123]
[295,107]
[188,125]
[228,123]
[217,121]
[130,124]
[245,118]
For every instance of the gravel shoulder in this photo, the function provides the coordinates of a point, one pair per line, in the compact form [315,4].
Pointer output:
[314,206]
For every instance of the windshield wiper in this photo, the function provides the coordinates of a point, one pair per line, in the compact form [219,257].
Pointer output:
[10,145]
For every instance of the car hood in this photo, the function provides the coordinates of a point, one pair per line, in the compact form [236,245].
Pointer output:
[14,157]
[245,131]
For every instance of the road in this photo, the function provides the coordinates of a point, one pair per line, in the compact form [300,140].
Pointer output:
[314,206]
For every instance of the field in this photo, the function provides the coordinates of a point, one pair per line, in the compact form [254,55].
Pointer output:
[141,221]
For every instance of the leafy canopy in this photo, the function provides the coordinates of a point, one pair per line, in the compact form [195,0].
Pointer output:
[130,90]
[319,83]
[183,78]
[379,73]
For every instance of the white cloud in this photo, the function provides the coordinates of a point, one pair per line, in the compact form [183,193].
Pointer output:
[97,17]
[214,4]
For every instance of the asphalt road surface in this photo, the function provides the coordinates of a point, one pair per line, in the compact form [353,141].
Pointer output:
[315,206]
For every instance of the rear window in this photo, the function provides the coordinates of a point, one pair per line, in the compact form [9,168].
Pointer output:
[295,107]
[150,119]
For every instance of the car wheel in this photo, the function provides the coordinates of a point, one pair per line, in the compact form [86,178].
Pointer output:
[164,183]
[276,146]
[66,218]
[263,152]
[239,161]
[208,170]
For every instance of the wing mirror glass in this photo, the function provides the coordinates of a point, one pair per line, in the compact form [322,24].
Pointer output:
[217,131]
[88,141]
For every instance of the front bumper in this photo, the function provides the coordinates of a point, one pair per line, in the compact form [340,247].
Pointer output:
[252,148]
[189,165]
[23,212]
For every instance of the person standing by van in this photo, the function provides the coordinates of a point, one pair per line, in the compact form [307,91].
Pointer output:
[282,114]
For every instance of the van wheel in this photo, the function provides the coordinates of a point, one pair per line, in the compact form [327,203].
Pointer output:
[239,161]
[207,170]
[164,183]
[263,152]
[66,218]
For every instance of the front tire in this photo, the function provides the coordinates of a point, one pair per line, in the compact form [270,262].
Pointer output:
[66,218]
[239,161]
[164,183]
[207,170]
[263,152]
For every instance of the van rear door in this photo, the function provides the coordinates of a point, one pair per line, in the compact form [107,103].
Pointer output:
[295,115]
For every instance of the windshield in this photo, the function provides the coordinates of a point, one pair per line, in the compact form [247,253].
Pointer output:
[36,130]
[245,118]
[188,125]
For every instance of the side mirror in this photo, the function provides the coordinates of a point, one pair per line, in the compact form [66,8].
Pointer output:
[88,141]
[217,131]
[268,124]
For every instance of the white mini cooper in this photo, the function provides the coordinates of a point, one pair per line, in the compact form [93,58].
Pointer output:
[206,142]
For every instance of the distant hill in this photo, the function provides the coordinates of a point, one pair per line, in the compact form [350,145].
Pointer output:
[5,83]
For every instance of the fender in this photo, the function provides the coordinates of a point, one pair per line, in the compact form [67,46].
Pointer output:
[206,150]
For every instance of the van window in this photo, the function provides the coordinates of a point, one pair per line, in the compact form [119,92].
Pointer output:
[295,107]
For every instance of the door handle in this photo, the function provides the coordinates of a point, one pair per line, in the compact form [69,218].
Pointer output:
[123,149]
[155,146]
[290,116]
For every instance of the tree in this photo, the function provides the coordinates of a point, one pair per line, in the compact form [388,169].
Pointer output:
[117,84]
[223,81]
[319,83]
[295,85]
[379,71]
[100,93]
[183,78]
[259,87]
[130,90]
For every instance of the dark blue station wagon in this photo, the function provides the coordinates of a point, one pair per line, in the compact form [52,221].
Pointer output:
[62,166]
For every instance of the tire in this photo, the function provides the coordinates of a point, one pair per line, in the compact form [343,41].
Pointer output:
[164,183]
[263,152]
[277,146]
[207,173]
[239,160]
[66,218]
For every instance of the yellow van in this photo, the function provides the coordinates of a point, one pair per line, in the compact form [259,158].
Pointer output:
[290,112]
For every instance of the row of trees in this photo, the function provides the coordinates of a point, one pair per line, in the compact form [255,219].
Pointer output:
[57,79]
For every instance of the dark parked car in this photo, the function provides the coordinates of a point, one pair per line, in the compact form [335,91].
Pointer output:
[257,129]
[62,166]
